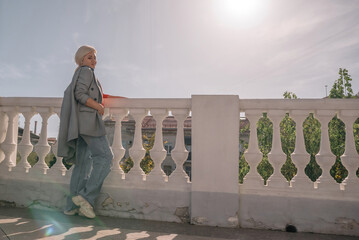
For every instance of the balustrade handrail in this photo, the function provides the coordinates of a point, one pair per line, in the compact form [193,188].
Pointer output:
[298,104]
[147,103]
[244,104]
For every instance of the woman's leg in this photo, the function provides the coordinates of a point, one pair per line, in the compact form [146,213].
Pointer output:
[80,173]
[102,156]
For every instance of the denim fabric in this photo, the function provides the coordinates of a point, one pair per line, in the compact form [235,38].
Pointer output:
[94,158]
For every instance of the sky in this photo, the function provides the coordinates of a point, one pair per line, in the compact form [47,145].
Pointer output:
[178,48]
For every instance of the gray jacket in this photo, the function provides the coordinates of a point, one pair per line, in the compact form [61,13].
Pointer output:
[76,118]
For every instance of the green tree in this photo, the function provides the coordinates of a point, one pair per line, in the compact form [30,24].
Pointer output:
[342,87]
[312,136]
[289,95]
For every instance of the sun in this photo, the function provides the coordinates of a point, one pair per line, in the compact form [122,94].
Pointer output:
[243,12]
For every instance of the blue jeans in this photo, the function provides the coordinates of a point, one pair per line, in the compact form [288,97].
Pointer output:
[93,162]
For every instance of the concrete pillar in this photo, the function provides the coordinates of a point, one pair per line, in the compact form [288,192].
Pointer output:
[215,156]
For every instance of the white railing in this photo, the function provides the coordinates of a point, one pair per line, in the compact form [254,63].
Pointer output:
[214,196]
[11,108]
[299,109]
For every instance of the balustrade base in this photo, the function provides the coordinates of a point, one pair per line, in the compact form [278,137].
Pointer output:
[351,186]
[327,185]
[114,178]
[277,182]
[253,182]
[302,184]
[38,171]
[156,178]
[6,165]
[135,176]
[179,178]
[21,169]
[56,172]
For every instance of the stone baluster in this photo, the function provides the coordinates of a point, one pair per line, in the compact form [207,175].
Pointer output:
[117,147]
[10,143]
[350,157]
[300,156]
[25,146]
[58,167]
[179,153]
[42,148]
[325,157]
[158,153]
[253,155]
[276,156]
[3,128]
[137,152]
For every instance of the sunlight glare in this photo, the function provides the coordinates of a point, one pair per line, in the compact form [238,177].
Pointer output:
[239,12]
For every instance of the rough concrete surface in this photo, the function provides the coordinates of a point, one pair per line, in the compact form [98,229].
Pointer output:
[29,223]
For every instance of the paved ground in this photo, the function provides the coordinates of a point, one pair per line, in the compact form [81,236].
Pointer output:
[17,223]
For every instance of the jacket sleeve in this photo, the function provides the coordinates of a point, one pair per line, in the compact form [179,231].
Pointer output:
[83,84]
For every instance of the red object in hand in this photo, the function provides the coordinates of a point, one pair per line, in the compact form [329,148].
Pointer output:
[105,95]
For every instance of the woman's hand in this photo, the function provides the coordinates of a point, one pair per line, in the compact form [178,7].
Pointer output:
[95,105]
[101,109]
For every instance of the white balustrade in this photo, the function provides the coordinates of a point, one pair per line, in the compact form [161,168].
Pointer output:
[137,152]
[117,147]
[179,153]
[9,145]
[300,156]
[350,158]
[42,148]
[159,201]
[158,153]
[276,156]
[253,155]
[325,157]
[58,167]
[25,146]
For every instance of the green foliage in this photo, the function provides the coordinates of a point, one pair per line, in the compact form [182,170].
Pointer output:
[147,163]
[287,136]
[265,135]
[356,134]
[32,159]
[289,95]
[312,136]
[342,87]
[127,164]
[337,145]
[243,168]
[243,165]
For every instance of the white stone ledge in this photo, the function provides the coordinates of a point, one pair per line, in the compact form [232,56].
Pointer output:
[298,104]
[147,103]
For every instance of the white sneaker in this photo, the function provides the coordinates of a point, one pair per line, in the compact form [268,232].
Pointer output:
[85,207]
[72,212]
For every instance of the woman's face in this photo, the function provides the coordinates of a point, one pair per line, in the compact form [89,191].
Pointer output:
[90,60]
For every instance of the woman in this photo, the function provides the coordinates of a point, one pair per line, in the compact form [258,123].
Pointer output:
[82,136]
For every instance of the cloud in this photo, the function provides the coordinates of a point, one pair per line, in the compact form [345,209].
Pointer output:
[10,72]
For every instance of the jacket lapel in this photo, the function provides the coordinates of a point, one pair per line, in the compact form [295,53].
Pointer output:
[99,87]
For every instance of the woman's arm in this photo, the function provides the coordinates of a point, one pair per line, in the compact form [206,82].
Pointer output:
[110,96]
[81,90]
[95,105]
